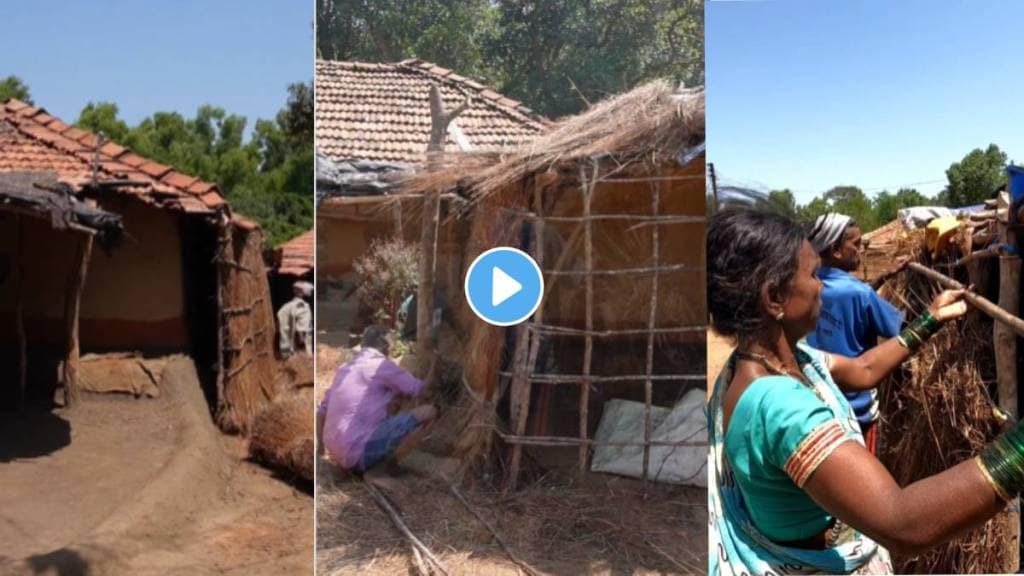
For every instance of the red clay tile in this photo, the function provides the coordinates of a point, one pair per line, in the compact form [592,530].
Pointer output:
[74,133]
[178,180]
[14,105]
[200,187]
[133,160]
[212,199]
[112,150]
[58,126]
[154,169]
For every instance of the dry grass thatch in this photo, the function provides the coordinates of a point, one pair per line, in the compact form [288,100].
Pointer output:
[281,435]
[649,125]
[937,412]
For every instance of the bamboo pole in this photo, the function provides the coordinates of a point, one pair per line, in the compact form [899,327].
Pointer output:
[566,331]
[1005,345]
[651,322]
[522,383]
[439,121]
[588,342]
[72,309]
[576,378]
[396,519]
[980,302]
[515,439]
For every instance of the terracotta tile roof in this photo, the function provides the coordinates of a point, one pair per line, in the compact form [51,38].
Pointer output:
[381,112]
[297,255]
[33,141]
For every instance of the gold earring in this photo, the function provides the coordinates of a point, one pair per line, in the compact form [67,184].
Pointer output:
[780,315]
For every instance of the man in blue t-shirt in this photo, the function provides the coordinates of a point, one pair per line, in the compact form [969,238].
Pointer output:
[853,316]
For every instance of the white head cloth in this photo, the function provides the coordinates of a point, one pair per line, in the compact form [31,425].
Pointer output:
[828,229]
[305,287]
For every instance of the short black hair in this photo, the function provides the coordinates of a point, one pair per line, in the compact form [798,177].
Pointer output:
[376,336]
[747,249]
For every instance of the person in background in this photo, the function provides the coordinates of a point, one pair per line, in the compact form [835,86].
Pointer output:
[353,425]
[295,322]
[853,316]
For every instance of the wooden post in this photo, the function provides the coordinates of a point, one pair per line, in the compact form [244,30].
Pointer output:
[439,121]
[522,383]
[1005,344]
[19,313]
[588,350]
[72,308]
[651,323]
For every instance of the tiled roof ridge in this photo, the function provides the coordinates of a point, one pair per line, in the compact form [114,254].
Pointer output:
[115,160]
[508,106]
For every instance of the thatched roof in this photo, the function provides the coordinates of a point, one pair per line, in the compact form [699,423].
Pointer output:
[650,126]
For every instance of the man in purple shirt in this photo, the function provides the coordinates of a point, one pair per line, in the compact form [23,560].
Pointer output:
[352,420]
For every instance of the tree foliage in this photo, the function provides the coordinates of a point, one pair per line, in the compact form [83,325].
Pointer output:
[268,177]
[975,177]
[13,87]
[554,56]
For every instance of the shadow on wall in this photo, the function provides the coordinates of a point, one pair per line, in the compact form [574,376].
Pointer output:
[32,433]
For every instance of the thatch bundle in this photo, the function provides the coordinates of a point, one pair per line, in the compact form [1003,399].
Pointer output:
[281,435]
[648,125]
[937,412]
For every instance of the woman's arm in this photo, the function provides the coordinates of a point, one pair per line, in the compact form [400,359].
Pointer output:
[853,486]
[868,369]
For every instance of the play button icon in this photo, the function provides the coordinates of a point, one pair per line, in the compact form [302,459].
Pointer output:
[504,286]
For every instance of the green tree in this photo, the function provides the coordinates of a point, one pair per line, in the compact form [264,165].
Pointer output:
[447,33]
[554,56]
[810,211]
[974,178]
[557,56]
[852,201]
[783,201]
[101,117]
[887,205]
[268,178]
[13,87]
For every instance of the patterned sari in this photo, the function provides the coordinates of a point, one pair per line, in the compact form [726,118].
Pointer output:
[736,546]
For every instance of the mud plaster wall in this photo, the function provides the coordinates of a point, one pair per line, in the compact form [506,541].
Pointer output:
[49,259]
[345,231]
[134,298]
[623,302]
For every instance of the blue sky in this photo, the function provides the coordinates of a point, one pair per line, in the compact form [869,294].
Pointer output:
[810,94]
[148,56]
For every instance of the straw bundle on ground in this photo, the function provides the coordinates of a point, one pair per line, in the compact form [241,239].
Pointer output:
[936,413]
[282,435]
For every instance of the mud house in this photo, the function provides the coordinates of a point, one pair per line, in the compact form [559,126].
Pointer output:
[186,276]
[373,128]
[611,204]
[289,263]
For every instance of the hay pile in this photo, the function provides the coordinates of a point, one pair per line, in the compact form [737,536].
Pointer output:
[937,412]
[281,435]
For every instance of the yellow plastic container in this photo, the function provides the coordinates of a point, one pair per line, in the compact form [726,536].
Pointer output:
[939,231]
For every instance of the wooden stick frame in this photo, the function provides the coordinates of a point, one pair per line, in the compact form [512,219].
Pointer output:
[524,374]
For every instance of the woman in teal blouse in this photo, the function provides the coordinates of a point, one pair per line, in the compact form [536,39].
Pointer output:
[793,490]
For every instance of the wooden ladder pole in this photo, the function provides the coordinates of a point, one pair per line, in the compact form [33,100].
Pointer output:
[587,188]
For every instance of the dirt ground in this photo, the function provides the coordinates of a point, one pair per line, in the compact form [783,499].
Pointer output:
[143,486]
[556,524]
[605,526]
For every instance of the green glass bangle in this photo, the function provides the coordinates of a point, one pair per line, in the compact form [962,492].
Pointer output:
[918,331]
[1003,463]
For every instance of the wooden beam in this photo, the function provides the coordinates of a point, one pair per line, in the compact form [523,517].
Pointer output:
[980,302]
[72,310]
